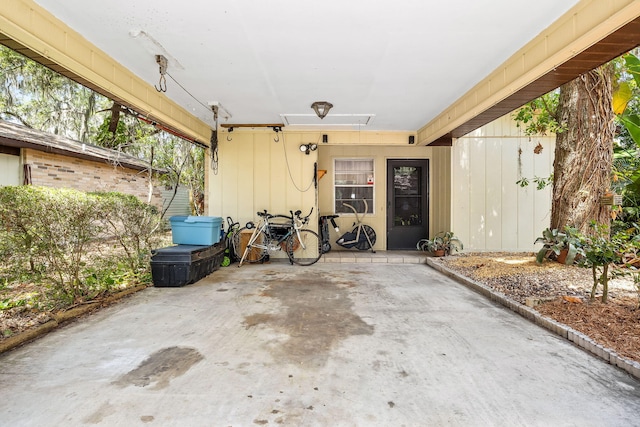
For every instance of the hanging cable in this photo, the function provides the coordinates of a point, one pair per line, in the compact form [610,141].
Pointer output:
[188,93]
[286,160]
[214,151]
[214,141]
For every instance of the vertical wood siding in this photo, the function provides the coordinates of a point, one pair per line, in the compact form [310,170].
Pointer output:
[489,210]
[256,173]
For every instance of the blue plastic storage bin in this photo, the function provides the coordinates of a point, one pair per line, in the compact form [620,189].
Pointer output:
[195,230]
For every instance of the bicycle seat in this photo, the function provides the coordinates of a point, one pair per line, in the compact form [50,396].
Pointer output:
[265,214]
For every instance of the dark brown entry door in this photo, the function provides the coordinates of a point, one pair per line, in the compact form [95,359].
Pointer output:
[407,202]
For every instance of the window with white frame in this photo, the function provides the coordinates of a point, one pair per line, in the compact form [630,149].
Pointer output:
[353,181]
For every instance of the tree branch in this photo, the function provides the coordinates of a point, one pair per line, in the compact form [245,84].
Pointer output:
[17,116]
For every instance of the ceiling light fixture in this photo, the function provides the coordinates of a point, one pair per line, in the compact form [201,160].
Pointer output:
[321,108]
[307,148]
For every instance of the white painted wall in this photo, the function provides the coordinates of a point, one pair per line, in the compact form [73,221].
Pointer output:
[489,210]
[10,169]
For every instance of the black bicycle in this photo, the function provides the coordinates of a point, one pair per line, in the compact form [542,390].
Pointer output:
[323,224]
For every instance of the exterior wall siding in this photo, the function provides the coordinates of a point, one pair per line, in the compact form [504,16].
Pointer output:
[54,170]
[180,204]
[490,211]
[256,173]
[439,179]
[10,173]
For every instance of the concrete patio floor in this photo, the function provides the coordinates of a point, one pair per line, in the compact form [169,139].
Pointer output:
[333,344]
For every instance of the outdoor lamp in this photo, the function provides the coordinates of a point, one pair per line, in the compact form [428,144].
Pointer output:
[307,148]
[321,108]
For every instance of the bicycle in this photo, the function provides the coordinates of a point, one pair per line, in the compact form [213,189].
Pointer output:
[363,236]
[303,246]
[323,225]
[230,254]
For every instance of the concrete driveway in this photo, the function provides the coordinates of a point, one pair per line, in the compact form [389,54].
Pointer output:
[326,345]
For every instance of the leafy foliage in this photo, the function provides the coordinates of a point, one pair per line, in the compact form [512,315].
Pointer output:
[541,182]
[40,98]
[132,223]
[555,241]
[601,253]
[538,117]
[443,241]
[46,233]
[626,172]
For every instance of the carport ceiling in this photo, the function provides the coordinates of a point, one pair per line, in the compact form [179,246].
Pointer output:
[399,64]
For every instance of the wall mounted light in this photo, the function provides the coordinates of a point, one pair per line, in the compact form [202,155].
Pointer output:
[307,148]
[321,108]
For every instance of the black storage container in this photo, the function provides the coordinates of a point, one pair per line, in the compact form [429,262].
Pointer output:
[180,265]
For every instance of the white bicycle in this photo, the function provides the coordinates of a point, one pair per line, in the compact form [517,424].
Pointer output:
[277,233]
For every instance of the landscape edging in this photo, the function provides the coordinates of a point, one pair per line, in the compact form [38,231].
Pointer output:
[578,338]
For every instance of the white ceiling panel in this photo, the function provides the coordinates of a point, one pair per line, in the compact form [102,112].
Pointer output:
[402,62]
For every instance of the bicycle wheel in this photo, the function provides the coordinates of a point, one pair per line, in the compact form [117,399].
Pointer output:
[364,244]
[239,243]
[306,250]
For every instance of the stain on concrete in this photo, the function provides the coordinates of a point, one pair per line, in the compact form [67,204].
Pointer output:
[147,418]
[100,414]
[161,367]
[256,319]
[315,312]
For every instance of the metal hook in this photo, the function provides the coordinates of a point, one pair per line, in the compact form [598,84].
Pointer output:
[162,83]
[162,65]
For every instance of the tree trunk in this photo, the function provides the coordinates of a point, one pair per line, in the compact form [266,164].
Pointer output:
[584,151]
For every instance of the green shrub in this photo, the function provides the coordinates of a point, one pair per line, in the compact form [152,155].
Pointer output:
[602,253]
[133,224]
[51,235]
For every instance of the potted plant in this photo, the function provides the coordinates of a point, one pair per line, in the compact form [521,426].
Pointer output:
[563,246]
[442,244]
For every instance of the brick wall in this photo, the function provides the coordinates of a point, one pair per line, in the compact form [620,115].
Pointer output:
[54,170]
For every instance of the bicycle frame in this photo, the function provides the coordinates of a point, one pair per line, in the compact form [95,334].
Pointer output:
[359,229]
[274,241]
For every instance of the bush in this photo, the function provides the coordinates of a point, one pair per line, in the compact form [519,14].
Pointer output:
[133,224]
[46,232]
[602,252]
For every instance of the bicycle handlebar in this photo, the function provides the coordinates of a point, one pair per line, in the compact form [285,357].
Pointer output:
[296,214]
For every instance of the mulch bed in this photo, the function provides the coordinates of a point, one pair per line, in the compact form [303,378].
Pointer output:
[564,295]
